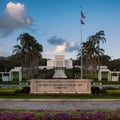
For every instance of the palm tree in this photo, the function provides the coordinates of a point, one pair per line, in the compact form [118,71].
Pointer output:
[99,37]
[89,52]
[91,49]
[17,49]
[30,49]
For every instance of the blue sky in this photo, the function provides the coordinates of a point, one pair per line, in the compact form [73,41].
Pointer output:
[56,24]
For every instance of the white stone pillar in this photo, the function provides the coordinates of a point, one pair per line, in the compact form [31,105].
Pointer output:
[10,76]
[118,75]
[99,75]
[20,76]
[2,76]
[109,76]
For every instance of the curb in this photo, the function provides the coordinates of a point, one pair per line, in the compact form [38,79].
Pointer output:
[60,100]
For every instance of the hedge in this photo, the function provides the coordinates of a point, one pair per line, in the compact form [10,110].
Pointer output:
[95,90]
[113,92]
[10,91]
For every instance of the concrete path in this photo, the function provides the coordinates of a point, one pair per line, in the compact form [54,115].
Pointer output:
[60,104]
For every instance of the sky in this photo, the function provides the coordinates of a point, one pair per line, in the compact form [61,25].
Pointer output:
[56,25]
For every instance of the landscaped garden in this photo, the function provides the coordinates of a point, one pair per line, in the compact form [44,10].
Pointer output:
[7,114]
[24,93]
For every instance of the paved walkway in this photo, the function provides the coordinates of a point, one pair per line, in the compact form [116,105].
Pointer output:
[59,74]
[59,104]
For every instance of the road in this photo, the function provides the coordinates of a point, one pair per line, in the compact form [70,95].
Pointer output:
[60,104]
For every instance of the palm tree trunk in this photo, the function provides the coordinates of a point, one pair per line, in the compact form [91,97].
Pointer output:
[98,56]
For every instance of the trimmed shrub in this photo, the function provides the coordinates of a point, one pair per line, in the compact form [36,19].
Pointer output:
[7,92]
[113,92]
[111,82]
[26,90]
[103,90]
[70,73]
[18,90]
[95,90]
[10,91]
[44,74]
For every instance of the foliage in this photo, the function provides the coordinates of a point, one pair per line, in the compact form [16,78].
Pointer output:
[25,90]
[91,51]
[104,90]
[105,60]
[76,62]
[114,65]
[10,91]
[59,115]
[30,51]
[44,73]
[108,82]
[95,90]
[3,64]
[21,95]
[113,92]
[43,62]
[10,62]
[70,73]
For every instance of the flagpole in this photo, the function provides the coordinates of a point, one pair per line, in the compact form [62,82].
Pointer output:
[81,50]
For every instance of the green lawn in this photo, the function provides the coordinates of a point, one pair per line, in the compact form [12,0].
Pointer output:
[28,96]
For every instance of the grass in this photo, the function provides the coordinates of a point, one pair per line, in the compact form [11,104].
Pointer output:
[57,96]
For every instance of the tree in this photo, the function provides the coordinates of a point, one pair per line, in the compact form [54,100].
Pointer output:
[91,50]
[17,49]
[88,54]
[96,39]
[30,50]
[43,62]
[99,37]
[114,65]
[105,60]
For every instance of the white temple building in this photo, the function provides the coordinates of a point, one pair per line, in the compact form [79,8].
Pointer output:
[8,76]
[111,75]
[59,63]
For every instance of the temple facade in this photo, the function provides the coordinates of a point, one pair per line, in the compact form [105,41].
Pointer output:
[60,62]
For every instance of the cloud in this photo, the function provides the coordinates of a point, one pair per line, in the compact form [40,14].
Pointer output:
[15,10]
[62,45]
[3,53]
[60,48]
[56,41]
[15,19]
[48,53]
[72,46]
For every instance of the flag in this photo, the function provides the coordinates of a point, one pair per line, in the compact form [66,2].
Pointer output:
[82,22]
[82,15]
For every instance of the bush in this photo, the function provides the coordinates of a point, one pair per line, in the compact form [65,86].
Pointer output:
[113,92]
[103,90]
[44,74]
[18,91]
[95,90]
[10,91]
[70,73]
[26,90]
[7,92]
[111,82]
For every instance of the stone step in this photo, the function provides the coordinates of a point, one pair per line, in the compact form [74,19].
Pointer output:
[59,74]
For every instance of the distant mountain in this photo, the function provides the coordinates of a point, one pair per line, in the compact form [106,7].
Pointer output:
[1,57]
[115,65]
